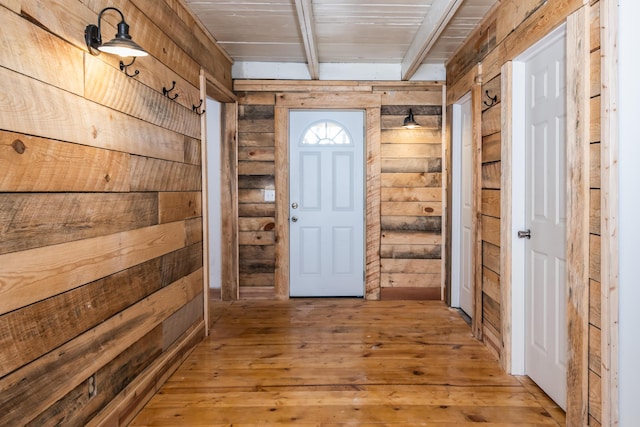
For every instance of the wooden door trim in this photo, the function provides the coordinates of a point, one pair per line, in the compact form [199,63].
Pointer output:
[472,82]
[211,87]
[370,103]
[609,266]
[578,140]
[578,115]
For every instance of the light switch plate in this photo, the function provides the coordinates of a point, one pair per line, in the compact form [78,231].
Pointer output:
[269,195]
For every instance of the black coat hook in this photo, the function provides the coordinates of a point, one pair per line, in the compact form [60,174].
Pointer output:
[166,91]
[196,108]
[125,68]
[493,99]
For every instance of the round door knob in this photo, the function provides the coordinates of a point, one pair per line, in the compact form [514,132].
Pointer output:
[294,219]
[294,205]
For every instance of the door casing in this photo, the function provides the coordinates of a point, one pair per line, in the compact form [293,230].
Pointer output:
[458,180]
[370,103]
[518,203]
[325,281]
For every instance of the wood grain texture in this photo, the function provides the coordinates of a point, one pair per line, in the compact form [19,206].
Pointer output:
[147,174]
[64,70]
[229,198]
[31,276]
[477,226]
[110,87]
[95,302]
[373,204]
[609,289]
[86,243]
[411,194]
[39,164]
[42,110]
[124,407]
[491,173]
[281,276]
[181,263]
[491,148]
[411,136]
[31,220]
[405,180]
[77,408]
[491,229]
[417,363]
[512,13]
[191,37]
[579,401]
[176,206]
[490,203]
[179,322]
[87,353]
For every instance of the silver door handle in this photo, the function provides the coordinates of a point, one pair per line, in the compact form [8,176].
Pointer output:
[294,219]
[524,234]
[294,205]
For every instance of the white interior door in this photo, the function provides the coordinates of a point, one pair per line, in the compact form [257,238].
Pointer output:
[326,212]
[545,217]
[462,193]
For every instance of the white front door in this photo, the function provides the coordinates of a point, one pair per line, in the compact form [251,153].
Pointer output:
[545,217]
[462,193]
[326,196]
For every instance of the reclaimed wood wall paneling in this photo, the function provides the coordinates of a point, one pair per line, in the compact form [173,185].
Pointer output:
[102,201]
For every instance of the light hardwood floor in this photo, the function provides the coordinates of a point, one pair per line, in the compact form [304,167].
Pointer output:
[344,362]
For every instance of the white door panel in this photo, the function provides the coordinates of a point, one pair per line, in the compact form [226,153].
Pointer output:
[545,210]
[462,191]
[327,203]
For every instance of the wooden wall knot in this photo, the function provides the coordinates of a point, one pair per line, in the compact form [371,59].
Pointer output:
[19,146]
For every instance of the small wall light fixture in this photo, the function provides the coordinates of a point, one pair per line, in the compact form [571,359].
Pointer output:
[410,122]
[121,45]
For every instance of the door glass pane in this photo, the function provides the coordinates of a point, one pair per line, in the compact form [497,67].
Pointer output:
[326,133]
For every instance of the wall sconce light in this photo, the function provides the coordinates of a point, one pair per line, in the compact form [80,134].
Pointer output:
[121,45]
[410,122]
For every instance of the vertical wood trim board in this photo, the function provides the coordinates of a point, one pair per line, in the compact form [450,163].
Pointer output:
[476,220]
[282,201]
[229,201]
[204,204]
[506,215]
[445,294]
[372,215]
[609,213]
[578,98]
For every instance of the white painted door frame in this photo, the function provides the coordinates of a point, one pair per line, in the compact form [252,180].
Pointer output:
[458,172]
[518,216]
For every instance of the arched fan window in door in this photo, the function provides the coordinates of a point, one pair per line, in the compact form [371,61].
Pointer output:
[326,132]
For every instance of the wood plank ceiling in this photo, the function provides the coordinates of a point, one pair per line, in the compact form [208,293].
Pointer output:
[314,32]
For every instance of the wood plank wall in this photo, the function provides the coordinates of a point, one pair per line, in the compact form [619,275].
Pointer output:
[101,281]
[508,31]
[411,181]
[411,201]
[595,396]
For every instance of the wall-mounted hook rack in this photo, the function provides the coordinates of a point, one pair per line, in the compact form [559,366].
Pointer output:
[125,68]
[493,100]
[196,108]
[166,91]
